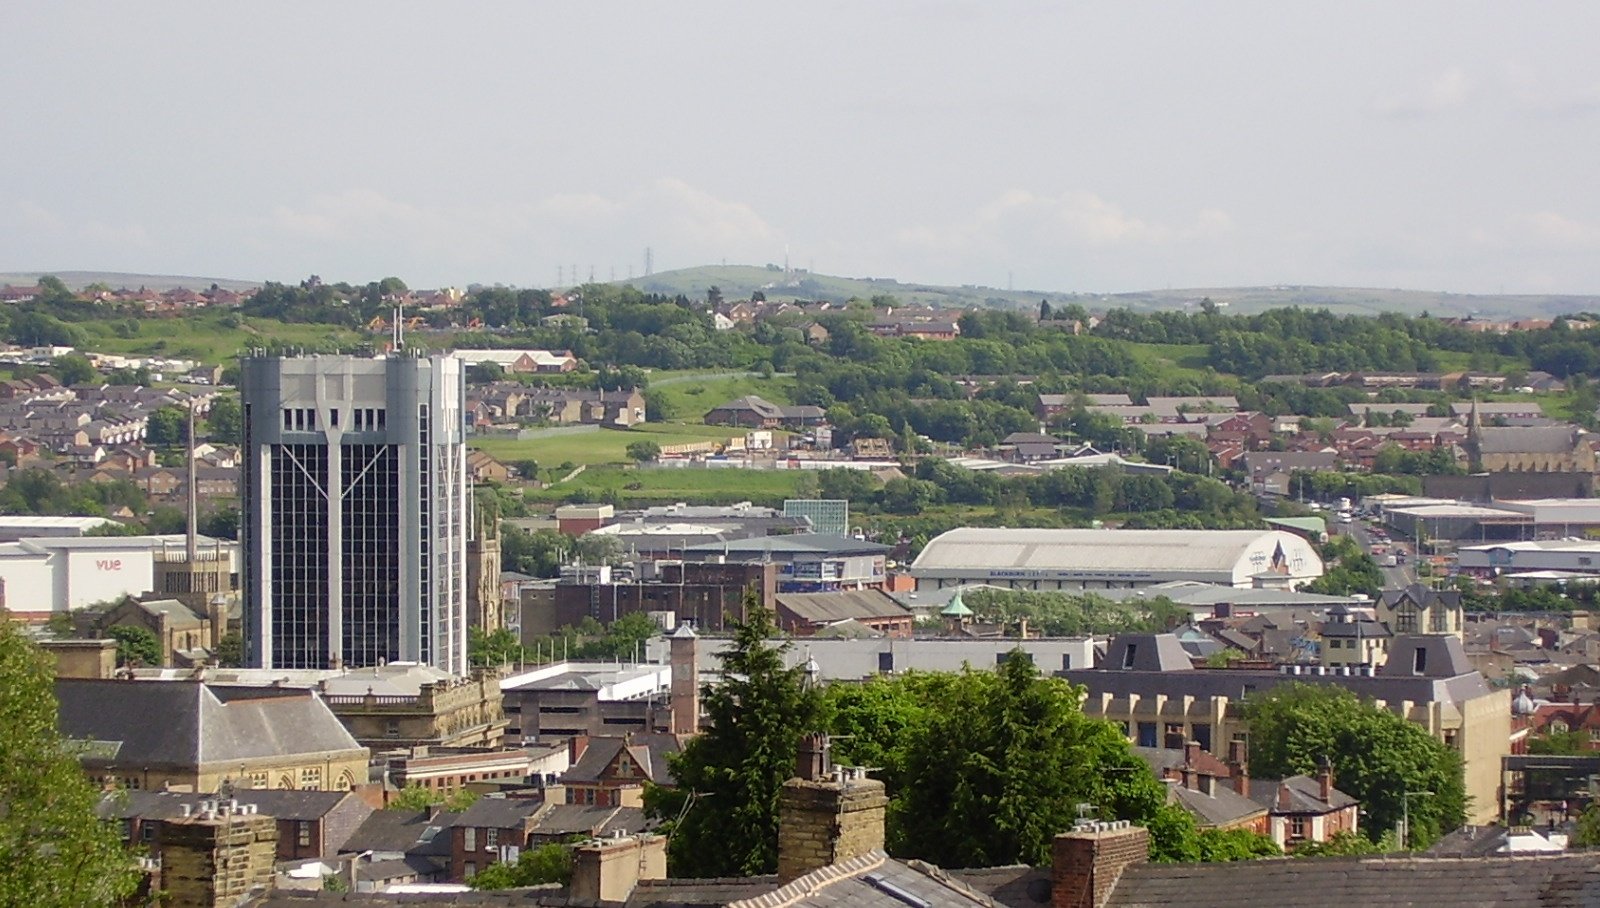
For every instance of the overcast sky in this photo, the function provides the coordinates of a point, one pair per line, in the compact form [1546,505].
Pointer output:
[1060,146]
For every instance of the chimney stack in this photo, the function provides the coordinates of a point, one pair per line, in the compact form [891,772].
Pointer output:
[685,689]
[1087,862]
[1239,767]
[1325,779]
[607,870]
[828,819]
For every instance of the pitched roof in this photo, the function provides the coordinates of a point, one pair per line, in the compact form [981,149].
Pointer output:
[872,880]
[648,751]
[1528,440]
[1563,880]
[402,832]
[498,813]
[823,608]
[1305,795]
[278,803]
[190,723]
[1221,807]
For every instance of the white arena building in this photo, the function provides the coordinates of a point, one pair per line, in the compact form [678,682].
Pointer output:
[1077,560]
[58,574]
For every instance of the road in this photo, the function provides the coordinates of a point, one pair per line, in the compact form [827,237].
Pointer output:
[1401,575]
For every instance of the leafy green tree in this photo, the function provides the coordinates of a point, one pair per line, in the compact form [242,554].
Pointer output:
[550,863]
[499,647]
[1571,743]
[225,420]
[73,369]
[1587,831]
[1377,756]
[643,451]
[135,645]
[167,426]
[730,777]
[986,767]
[54,851]
[414,798]
[230,650]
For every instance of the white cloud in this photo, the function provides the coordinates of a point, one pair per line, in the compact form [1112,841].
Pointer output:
[1551,229]
[1022,220]
[1445,91]
[559,229]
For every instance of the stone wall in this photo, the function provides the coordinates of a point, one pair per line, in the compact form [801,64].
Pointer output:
[825,822]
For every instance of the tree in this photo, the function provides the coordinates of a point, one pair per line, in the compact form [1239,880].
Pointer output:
[414,798]
[230,650]
[550,863]
[167,426]
[73,369]
[986,767]
[136,646]
[1587,833]
[643,451]
[1377,756]
[54,851]
[730,777]
[225,420]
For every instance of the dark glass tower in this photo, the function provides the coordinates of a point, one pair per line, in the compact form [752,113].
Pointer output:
[355,506]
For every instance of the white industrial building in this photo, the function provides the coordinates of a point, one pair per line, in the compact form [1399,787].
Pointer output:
[1565,556]
[58,574]
[32,526]
[1078,560]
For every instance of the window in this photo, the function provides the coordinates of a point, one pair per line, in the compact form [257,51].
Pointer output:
[147,832]
[1419,660]
[470,839]
[394,728]
[303,834]
[1297,828]
[886,662]
[1405,620]
[1174,738]
[1201,733]
[471,870]
[1128,655]
[1147,734]
[311,778]
[491,838]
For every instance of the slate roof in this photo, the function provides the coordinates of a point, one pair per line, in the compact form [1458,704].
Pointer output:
[1528,440]
[178,614]
[649,753]
[1222,807]
[823,608]
[280,804]
[1556,881]
[873,880]
[402,832]
[190,723]
[498,813]
[1305,795]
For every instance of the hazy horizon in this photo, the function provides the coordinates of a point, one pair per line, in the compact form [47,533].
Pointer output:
[1091,147]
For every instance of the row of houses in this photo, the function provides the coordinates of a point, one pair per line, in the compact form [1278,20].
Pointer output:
[498,403]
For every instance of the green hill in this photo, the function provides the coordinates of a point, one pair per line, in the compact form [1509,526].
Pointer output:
[739,281]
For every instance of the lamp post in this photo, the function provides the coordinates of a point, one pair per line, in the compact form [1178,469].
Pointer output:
[1405,817]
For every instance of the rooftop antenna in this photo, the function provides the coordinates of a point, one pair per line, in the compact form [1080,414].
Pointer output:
[399,328]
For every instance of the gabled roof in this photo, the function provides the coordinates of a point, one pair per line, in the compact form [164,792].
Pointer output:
[190,723]
[822,608]
[648,752]
[498,813]
[1571,879]
[1305,795]
[402,832]
[1222,807]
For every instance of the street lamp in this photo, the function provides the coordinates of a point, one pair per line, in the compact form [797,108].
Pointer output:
[1405,817]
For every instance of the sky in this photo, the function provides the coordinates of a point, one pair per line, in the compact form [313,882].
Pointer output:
[1042,145]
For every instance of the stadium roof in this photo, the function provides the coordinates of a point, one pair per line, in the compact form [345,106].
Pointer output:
[1166,551]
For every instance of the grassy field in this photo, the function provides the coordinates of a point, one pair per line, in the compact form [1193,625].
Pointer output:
[664,486]
[689,396]
[604,446]
[204,336]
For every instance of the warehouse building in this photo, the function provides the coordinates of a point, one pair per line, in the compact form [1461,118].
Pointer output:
[1079,560]
[58,574]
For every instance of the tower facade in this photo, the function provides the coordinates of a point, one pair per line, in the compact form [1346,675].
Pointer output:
[355,510]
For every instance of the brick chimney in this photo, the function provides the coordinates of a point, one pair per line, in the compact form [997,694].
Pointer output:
[685,684]
[1325,779]
[609,869]
[1239,767]
[576,745]
[833,817]
[1285,798]
[1087,862]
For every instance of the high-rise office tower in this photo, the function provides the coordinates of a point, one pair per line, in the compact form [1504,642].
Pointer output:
[355,511]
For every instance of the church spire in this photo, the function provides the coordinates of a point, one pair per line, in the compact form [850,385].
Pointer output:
[1474,439]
